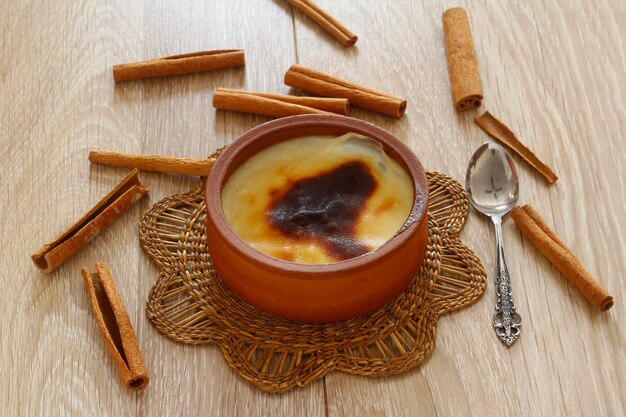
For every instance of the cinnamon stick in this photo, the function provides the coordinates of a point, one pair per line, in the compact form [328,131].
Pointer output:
[545,239]
[250,102]
[467,91]
[326,85]
[154,163]
[326,21]
[179,64]
[231,99]
[106,211]
[115,325]
[505,136]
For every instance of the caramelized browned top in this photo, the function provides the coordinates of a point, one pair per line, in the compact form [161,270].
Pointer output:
[318,199]
[326,208]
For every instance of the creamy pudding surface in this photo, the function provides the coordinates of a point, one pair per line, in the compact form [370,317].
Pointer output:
[318,199]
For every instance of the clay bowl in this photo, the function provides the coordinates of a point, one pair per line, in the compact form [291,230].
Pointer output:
[315,293]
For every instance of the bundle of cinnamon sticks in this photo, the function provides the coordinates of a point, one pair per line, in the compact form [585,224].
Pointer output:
[326,85]
[335,95]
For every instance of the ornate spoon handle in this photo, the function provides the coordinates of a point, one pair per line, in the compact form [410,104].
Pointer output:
[506,320]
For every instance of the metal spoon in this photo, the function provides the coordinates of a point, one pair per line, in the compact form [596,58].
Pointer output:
[493,189]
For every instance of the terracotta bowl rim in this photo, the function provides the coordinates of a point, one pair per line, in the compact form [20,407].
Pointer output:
[335,270]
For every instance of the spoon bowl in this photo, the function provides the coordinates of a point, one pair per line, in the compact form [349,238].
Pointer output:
[491,182]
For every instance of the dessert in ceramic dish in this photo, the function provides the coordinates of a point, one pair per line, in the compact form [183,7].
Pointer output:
[300,233]
[318,199]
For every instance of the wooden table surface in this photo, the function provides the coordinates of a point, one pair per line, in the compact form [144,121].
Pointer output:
[554,71]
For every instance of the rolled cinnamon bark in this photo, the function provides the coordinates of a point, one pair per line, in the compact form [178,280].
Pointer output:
[326,85]
[467,92]
[179,64]
[333,105]
[545,239]
[154,163]
[106,211]
[115,325]
[505,136]
[246,102]
[326,21]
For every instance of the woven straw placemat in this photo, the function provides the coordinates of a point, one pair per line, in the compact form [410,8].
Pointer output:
[190,303]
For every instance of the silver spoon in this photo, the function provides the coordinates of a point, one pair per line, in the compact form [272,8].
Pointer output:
[493,189]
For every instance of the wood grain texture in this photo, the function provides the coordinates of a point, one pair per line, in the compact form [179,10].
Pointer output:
[555,72]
